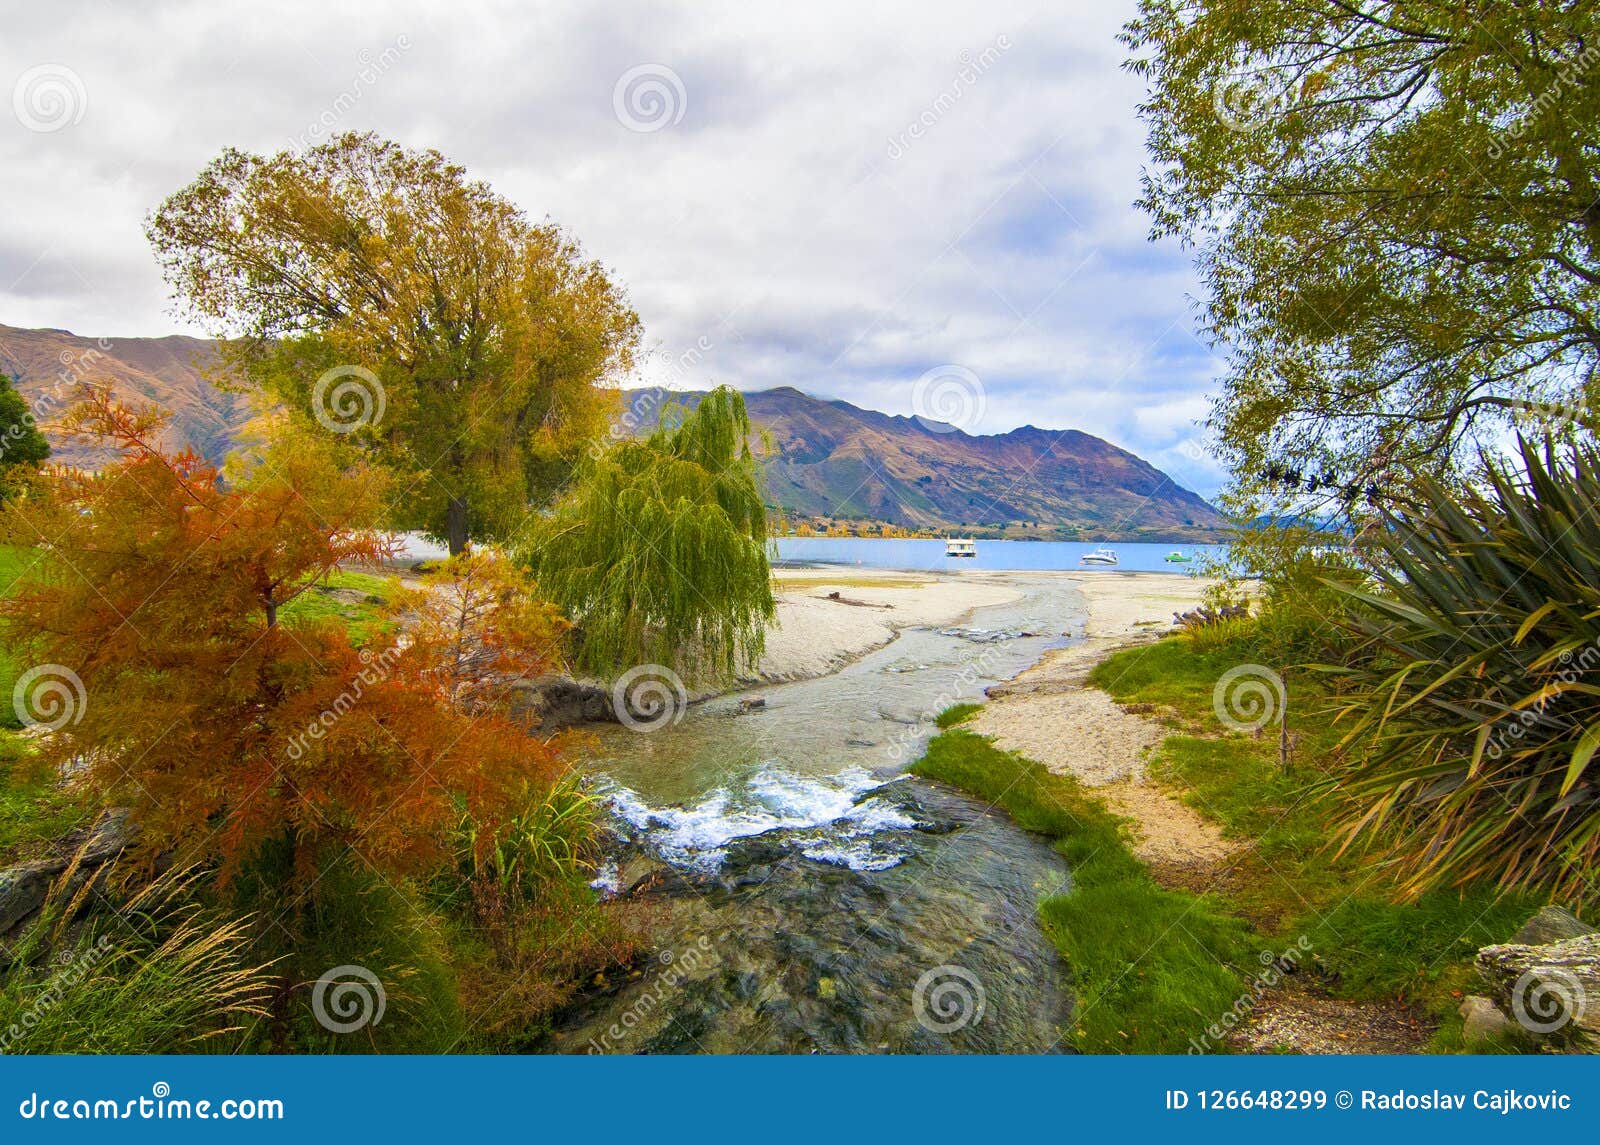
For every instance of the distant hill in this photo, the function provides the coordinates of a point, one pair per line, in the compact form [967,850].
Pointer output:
[47,366]
[833,459]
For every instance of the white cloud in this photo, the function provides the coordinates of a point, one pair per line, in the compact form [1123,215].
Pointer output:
[788,218]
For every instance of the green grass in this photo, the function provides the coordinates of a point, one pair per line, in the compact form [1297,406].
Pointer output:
[957,714]
[1291,882]
[1153,967]
[34,809]
[363,619]
[14,562]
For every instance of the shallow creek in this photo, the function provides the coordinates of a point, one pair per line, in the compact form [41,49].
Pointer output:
[804,894]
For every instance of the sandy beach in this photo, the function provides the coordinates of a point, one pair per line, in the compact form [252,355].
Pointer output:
[1051,715]
[815,634]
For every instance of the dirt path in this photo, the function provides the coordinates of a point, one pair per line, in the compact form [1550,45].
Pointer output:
[1050,715]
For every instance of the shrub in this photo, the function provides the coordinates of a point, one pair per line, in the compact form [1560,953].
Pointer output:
[1479,700]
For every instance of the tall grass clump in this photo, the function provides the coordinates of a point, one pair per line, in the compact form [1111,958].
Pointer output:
[1477,704]
[159,973]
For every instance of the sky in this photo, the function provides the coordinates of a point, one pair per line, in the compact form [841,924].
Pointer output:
[920,208]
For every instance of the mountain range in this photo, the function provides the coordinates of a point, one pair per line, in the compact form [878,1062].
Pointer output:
[832,459]
[827,458]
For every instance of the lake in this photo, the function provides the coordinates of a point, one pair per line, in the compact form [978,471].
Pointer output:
[923,555]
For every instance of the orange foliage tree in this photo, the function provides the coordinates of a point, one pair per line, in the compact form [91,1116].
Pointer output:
[224,722]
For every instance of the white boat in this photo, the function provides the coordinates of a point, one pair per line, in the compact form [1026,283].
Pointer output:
[1100,556]
[960,547]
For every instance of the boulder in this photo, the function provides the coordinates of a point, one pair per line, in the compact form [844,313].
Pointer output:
[23,888]
[559,701]
[1551,924]
[1552,990]
[1484,1020]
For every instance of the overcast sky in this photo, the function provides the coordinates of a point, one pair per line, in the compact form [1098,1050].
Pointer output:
[842,197]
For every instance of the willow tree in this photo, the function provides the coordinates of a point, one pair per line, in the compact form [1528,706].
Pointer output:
[659,552]
[383,297]
[1396,206]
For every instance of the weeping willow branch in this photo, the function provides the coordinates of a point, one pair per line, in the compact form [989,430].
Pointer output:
[659,554]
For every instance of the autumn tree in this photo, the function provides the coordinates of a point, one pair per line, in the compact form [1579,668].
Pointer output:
[1396,207]
[659,552]
[385,297]
[476,624]
[233,727]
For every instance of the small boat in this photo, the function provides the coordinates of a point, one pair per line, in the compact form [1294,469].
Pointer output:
[1175,557]
[1100,556]
[960,547]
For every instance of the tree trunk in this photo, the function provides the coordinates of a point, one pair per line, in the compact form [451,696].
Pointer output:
[456,525]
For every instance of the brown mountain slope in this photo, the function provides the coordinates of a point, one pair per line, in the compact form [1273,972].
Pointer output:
[47,366]
[834,459]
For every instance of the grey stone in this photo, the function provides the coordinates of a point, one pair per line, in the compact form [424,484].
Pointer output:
[1484,1020]
[1551,924]
[559,701]
[1552,990]
[23,888]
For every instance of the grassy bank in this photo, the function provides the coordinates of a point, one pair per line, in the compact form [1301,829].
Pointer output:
[1152,967]
[1156,965]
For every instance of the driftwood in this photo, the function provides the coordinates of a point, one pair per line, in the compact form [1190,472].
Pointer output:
[1200,617]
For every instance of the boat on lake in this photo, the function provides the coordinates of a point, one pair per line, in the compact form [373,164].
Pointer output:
[960,547]
[1100,556]
[1176,557]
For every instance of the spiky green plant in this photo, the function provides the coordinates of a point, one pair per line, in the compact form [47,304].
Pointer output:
[1478,712]
[659,554]
[553,837]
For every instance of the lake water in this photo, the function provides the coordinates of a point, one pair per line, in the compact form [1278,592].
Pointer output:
[1008,555]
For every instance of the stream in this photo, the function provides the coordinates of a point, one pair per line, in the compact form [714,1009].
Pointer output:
[803,893]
